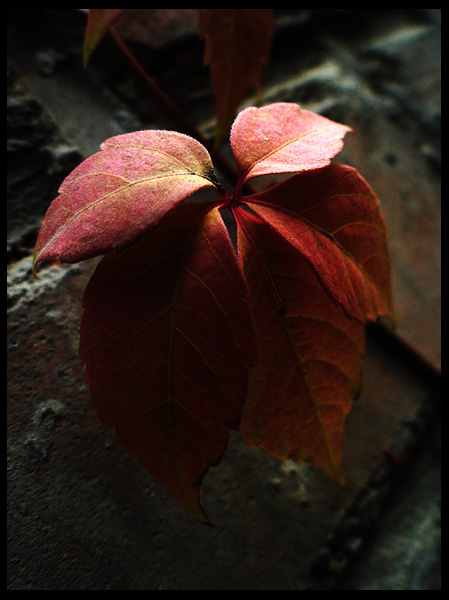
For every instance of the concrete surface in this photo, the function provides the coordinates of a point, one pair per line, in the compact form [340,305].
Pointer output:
[81,513]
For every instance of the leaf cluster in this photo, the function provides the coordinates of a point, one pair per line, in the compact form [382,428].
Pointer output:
[183,338]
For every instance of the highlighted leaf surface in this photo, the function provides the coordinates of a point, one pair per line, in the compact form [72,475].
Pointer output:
[283,138]
[167,338]
[114,196]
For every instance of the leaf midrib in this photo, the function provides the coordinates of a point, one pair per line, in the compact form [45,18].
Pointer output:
[296,349]
[103,198]
[279,148]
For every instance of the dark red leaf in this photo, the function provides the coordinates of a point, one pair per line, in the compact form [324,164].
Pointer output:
[331,217]
[310,354]
[237,46]
[167,338]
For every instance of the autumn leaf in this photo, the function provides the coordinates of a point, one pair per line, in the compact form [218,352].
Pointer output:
[310,355]
[316,261]
[331,217]
[116,195]
[237,47]
[167,338]
[283,138]
[184,340]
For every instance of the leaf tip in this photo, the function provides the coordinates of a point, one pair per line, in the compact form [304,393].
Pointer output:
[86,55]
[334,469]
[34,265]
[340,477]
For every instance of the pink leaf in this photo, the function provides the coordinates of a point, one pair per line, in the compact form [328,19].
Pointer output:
[283,138]
[116,195]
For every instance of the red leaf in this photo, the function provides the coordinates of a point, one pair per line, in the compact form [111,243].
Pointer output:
[167,338]
[332,218]
[237,46]
[169,326]
[114,196]
[310,354]
[283,138]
